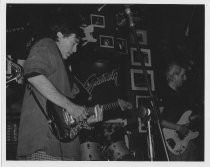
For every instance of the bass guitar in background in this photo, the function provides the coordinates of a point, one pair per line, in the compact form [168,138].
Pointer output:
[177,144]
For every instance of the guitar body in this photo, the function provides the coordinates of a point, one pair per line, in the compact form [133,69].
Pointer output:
[174,143]
[63,126]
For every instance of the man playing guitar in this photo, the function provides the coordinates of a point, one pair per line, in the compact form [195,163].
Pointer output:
[175,116]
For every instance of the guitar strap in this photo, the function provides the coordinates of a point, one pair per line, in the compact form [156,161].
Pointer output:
[39,104]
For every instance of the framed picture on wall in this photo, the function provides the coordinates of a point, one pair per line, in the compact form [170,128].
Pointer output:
[142,101]
[138,81]
[120,45]
[142,126]
[141,37]
[97,20]
[106,41]
[135,57]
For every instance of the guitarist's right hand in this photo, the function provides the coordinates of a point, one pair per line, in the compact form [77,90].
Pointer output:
[183,130]
[77,112]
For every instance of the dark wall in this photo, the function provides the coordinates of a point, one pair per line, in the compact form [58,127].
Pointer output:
[166,27]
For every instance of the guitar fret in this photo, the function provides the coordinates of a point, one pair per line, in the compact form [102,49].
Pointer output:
[116,105]
[110,106]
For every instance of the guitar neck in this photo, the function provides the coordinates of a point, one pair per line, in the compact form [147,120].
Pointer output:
[106,107]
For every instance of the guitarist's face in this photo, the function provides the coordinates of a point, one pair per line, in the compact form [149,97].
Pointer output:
[180,78]
[67,44]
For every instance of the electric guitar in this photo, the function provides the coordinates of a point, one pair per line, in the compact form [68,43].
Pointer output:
[174,143]
[65,128]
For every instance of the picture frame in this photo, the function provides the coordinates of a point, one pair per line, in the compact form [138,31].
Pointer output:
[142,126]
[135,58]
[138,81]
[141,37]
[142,100]
[121,45]
[106,41]
[97,20]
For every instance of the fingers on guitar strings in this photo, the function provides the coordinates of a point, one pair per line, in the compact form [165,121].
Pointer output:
[98,112]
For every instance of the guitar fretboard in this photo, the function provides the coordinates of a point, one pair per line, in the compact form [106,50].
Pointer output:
[106,107]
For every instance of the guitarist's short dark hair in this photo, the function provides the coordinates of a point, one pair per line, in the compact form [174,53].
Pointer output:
[64,25]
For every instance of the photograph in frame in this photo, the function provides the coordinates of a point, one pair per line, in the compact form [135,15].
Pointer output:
[106,41]
[135,57]
[121,45]
[142,101]
[138,81]
[141,37]
[97,20]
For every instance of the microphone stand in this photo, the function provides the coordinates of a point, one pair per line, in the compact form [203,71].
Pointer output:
[154,112]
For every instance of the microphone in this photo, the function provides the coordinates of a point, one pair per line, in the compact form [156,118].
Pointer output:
[143,111]
[129,14]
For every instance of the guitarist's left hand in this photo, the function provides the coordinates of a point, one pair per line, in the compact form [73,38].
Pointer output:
[183,130]
[124,105]
[98,117]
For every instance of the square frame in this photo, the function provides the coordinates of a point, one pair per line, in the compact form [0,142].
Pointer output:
[106,41]
[121,45]
[97,20]
[141,37]
[141,99]
[138,81]
[135,61]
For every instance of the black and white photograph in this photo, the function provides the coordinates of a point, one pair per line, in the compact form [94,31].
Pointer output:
[120,45]
[141,37]
[136,58]
[106,41]
[97,20]
[64,86]
[138,80]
